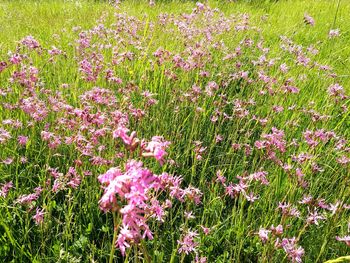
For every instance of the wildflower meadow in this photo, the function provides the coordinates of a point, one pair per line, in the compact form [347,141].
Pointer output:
[174,131]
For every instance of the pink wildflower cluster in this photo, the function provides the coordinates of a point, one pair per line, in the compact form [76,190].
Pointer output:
[242,187]
[29,198]
[63,181]
[289,245]
[131,193]
[188,243]
[291,248]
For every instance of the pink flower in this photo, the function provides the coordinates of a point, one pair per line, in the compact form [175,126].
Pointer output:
[336,90]
[218,138]
[284,68]
[260,176]
[124,236]
[200,259]
[28,199]
[206,230]
[157,210]
[343,160]
[288,210]
[22,140]
[200,6]
[157,148]
[39,216]
[132,187]
[193,194]
[251,197]
[7,161]
[309,20]
[307,199]
[264,234]
[3,66]
[314,217]
[5,188]
[278,230]
[4,136]
[109,176]
[189,215]
[293,252]
[334,33]
[220,178]
[122,132]
[15,59]
[30,42]
[188,243]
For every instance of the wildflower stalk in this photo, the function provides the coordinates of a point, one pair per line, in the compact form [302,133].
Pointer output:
[147,257]
[302,231]
[115,232]
[136,254]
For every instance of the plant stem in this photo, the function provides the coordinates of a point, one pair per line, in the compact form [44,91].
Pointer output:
[115,231]
[147,257]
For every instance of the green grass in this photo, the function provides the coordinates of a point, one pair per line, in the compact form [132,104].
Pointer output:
[75,229]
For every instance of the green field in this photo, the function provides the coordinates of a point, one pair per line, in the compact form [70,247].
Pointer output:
[249,98]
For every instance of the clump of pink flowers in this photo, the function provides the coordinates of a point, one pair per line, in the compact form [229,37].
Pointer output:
[188,243]
[131,193]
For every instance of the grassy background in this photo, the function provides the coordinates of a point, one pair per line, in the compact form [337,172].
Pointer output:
[44,18]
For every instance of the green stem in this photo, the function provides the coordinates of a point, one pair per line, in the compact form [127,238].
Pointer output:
[115,231]
[147,257]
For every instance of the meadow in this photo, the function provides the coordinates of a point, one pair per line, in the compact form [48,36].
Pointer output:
[174,131]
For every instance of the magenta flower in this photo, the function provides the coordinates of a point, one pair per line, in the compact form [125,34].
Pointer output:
[278,230]
[264,234]
[293,252]
[109,176]
[27,199]
[132,187]
[39,216]
[4,136]
[22,140]
[157,210]
[220,178]
[5,188]
[30,42]
[122,132]
[157,148]
[336,90]
[188,243]
[206,230]
[3,66]
[309,20]
[314,217]
[334,33]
